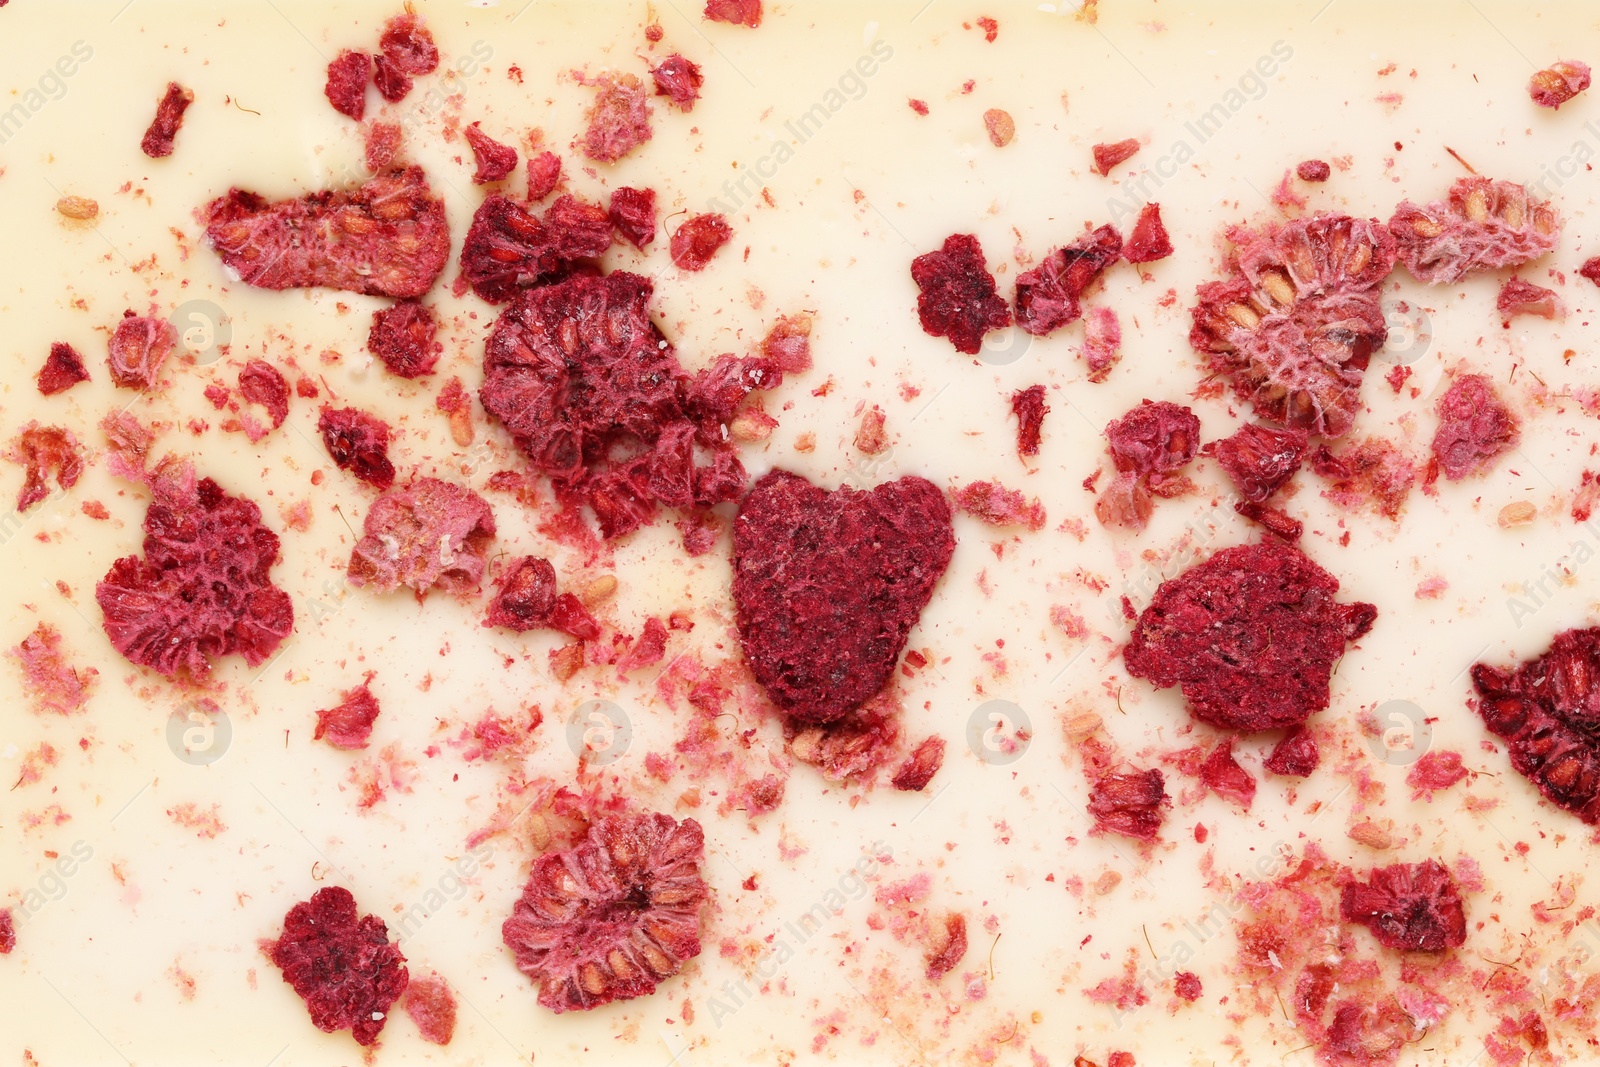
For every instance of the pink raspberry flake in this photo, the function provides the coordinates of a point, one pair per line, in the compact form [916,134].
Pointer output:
[62,369]
[42,451]
[1434,772]
[139,346]
[1313,170]
[1518,297]
[1222,775]
[425,534]
[1260,460]
[956,297]
[431,1004]
[1482,225]
[495,161]
[1186,985]
[346,89]
[262,384]
[919,768]
[678,79]
[1107,156]
[8,932]
[343,966]
[952,950]
[348,724]
[382,145]
[734,12]
[1296,756]
[393,84]
[408,45]
[1149,240]
[619,118]
[53,685]
[1475,426]
[1047,295]
[994,505]
[1102,342]
[697,240]
[526,598]
[1030,409]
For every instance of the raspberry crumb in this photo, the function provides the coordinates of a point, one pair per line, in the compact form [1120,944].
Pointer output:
[358,443]
[1132,804]
[139,346]
[994,505]
[42,451]
[698,239]
[403,337]
[1482,225]
[734,12]
[1434,772]
[1030,409]
[919,106]
[62,369]
[1559,82]
[1186,984]
[944,959]
[426,534]
[1149,241]
[1047,295]
[8,934]
[956,294]
[544,174]
[1518,297]
[158,139]
[1110,155]
[1409,906]
[53,685]
[920,767]
[348,724]
[870,439]
[633,215]
[495,161]
[619,118]
[1102,342]
[1001,126]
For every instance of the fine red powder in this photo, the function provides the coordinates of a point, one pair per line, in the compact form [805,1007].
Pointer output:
[169,117]
[62,369]
[426,534]
[358,443]
[956,297]
[343,967]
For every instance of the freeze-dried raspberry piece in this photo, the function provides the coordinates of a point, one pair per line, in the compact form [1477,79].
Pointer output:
[383,144]
[526,597]
[407,44]
[619,118]
[1433,772]
[403,337]
[393,84]
[1372,473]
[42,451]
[920,767]
[1591,269]
[1559,82]
[1251,635]
[788,344]
[261,383]
[1484,225]
[1047,295]
[633,213]
[1132,804]
[1313,170]
[735,12]
[1149,241]
[696,241]
[203,586]
[1260,460]
[50,682]
[1102,342]
[169,117]
[1410,906]
[994,505]
[358,443]
[1518,297]
[139,346]
[1475,426]
[346,90]
[569,616]
[426,534]
[680,79]
[1186,985]
[342,965]
[1222,775]
[944,960]
[848,749]
[544,174]
[432,1006]
[1294,328]
[507,248]
[348,724]
[956,297]
[1030,409]
[1154,440]
[495,160]
[388,237]
[62,369]
[827,586]
[612,917]
[8,928]
[1107,156]
[1296,756]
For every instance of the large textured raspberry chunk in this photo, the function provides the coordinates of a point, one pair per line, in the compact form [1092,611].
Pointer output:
[1293,329]
[1251,635]
[613,916]
[202,588]
[1475,426]
[139,346]
[1410,906]
[1047,295]
[1483,225]
[957,298]
[346,89]
[62,369]
[42,451]
[1131,803]
[403,336]
[163,129]
[619,118]
[426,534]
[358,443]
[679,79]
[342,965]
[388,237]
[827,586]
[1260,460]
[507,248]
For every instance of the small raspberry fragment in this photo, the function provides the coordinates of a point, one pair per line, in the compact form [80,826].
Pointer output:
[827,585]
[1222,775]
[734,12]
[615,915]
[1559,82]
[544,174]
[633,214]
[679,79]
[393,84]
[787,345]
[1047,295]
[1110,155]
[956,297]
[993,504]
[1030,409]
[1251,635]
[1149,241]
[1410,906]
[63,368]
[139,346]
[42,451]
[526,597]
[348,724]
[8,932]
[403,337]
[696,241]
[1372,473]
[569,616]
[407,44]
[1132,804]
[432,1006]
[1434,772]
[263,384]
[1260,460]
[1296,756]
[343,966]
[1483,225]
[1475,426]
[619,118]
[1102,342]
[1313,170]
[426,534]
[1186,985]
[52,684]
[871,439]
[507,248]
[1518,297]
[1001,126]
[944,960]
[1591,269]
[163,129]
[346,90]
[387,237]
[383,144]
[359,443]
[494,160]
[848,749]
[919,106]
[1149,445]
[919,768]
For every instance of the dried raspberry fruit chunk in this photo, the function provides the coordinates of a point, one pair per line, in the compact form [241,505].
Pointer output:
[1434,772]
[383,144]
[1251,635]
[1110,155]
[679,79]
[262,384]
[432,1006]
[62,369]
[393,84]
[8,932]
[348,724]
[944,960]
[1591,269]
[919,768]
[163,130]
[1132,804]
[1148,241]
[1475,426]
[1047,295]
[956,297]
[1559,82]
[619,118]
[544,174]
[613,916]
[827,585]
[1260,460]
[1483,225]
[426,534]
[848,749]
[1296,756]
[993,504]
[388,237]
[346,89]
[1030,409]
[495,160]
[358,443]
[1313,170]
[1149,446]
[41,451]
[696,241]
[1409,906]
[1222,775]
[403,337]
[203,586]
[1518,297]
[407,44]
[139,346]
[507,248]
[343,966]
[633,213]
[527,596]
[734,12]
[1102,342]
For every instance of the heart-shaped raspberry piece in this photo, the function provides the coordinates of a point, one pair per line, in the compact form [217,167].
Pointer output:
[828,585]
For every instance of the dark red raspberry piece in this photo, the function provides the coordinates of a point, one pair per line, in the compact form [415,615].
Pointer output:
[358,443]
[1260,460]
[62,369]
[169,117]
[139,346]
[426,534]
[1409,906]
[8,927]
[408,45]
[348,724]
[680,79]
[1132,804]
[1030,409]
[1186,985]
[957,298]
[1251,635]
[633,213]
[1293,329]
[393,84]
[1518,297]
[1475,426]
[41,451]
[383,144]
[343,966]
[507,248]
[1559,82]
[346,90]
[403,337]
[734,12]
[619,119]
[1110,155]
[495,160]
[526,597]
[1484,225]
[1591,269]
[570,616]
[1047,295]
[387,237]
[1149,241]
[1222,775]
[203,586]
[432,1006]
[696,241]
[944,960]
[1275,520]
[612,917]
[1296,756]
[827,586]
[920,767]
[1313,170]
[544,174]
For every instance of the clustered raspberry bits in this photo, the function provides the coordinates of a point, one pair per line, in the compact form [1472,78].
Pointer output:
[1149,446]
[342,965]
